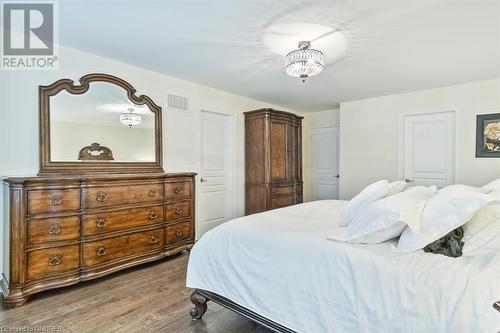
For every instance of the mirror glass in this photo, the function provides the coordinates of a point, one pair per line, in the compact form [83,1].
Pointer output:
[101,125]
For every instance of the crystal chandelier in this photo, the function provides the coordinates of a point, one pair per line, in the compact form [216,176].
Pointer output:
[130,118]
[304,62]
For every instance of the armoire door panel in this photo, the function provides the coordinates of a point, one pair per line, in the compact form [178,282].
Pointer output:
[255,152]
[279,149]
[291,145]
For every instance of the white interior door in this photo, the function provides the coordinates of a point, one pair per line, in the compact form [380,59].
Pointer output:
[216,202]
[324,154]
[428,149]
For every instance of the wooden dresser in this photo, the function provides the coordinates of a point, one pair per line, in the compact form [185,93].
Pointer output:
[273,160]
[62,230]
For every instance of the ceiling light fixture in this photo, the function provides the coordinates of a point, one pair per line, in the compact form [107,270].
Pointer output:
[304,62]
[130,118]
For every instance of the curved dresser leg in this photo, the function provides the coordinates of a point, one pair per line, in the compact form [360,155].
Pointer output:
[15,300]
[200,305]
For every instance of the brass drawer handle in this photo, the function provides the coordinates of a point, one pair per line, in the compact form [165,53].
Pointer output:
[55,200]
[153,215]
[55,260]
[178,211]
[101,222]
[101,196]
[178,232]
[54,229]
[101,252]
[153,239]
[152,193]
[275,202]
[178,189]
[275,191]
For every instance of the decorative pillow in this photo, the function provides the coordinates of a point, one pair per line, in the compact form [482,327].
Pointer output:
[371,193]
[444,212]
[396,187]
[386,218]
[484,227]
[493,186]
[449,245]
[460,187]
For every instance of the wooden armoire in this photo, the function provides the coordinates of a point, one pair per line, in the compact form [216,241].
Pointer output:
[273,160]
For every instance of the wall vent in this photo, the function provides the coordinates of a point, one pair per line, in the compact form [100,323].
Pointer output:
[175,102]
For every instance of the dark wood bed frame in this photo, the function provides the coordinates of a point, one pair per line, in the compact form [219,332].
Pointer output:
[200,297]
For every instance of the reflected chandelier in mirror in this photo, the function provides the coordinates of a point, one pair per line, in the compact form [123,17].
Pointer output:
[104,109]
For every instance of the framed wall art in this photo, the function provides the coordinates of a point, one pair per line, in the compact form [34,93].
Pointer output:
[488,135]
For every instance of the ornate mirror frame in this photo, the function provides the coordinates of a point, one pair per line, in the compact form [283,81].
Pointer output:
[48,167]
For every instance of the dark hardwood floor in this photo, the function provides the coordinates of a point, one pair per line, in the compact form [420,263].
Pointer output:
[117,304]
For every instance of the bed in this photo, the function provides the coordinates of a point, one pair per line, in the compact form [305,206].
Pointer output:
[279,269]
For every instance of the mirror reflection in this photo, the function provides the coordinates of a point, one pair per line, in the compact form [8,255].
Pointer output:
[100,125]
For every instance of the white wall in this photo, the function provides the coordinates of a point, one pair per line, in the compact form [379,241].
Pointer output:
[19,130]
[312,120]
[369,133]
[127,144]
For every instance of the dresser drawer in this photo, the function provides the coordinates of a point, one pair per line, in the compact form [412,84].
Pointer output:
[54,260]
[52,201]
[102,251]
[53,229]
[283,201]
[179,232]
[178,210]
[178,189]
[122,194]
[95,224]
[282,190]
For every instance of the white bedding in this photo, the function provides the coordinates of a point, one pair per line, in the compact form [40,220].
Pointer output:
[280,265]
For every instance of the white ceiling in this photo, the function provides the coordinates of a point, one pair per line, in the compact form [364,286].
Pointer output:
[381,46]
[101,105]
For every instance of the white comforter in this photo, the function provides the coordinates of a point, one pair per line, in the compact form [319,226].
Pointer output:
[280,265]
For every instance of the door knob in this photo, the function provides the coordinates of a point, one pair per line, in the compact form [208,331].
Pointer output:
[337,176]
[203,180]
[408,180]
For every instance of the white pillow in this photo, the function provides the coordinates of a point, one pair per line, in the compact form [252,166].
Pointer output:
[493,186]
[484,227]
[491,247]
[386,218]
[441,214]
[396,187]
[460,187]
[371,193]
